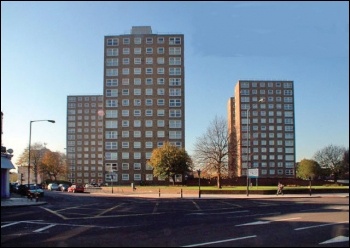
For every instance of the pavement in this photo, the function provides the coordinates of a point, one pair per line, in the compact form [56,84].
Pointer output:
[20,201]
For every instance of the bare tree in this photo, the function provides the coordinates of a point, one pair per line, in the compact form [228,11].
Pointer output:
[212,149]
[331,157]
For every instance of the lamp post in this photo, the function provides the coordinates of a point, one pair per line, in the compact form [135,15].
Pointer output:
[30,138]
[199,183]
[248,152]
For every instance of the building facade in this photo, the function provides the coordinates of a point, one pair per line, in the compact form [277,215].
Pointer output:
[144,100]
[262,121]
[111,137]
[85,139]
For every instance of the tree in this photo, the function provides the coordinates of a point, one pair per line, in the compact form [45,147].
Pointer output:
[37,151]
[169,160]
[212,149]
[331,157]
[308,168]
[345,165]
[53,164]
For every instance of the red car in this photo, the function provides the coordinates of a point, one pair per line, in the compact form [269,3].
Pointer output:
[76,188]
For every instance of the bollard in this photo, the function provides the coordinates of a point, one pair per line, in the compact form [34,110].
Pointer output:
[181,193]
[159,192]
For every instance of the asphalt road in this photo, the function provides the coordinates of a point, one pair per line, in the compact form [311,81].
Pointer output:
[87,220]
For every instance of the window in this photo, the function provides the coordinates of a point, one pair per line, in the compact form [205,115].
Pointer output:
[137,71]
[126,50]
[149,70]
[160,112]
[160,70]
[174,50]
[160,134]
[175,81]
[160,91]
[149,50]
[160,40]
[112,42]
[174,41]
[126,40]
[149,123]
[174,92]
[148,112]
[111,82]
[174,113]
[137,112]
[137,92]
[149,40]
[175,124]
[137,166]
[126,61]
[160,50]
[160,60]
[137,50]
[112,93]
[111,103]
[175,134]
[125,92]
[149,92]
[174,71]
[160,81]
[111,134]
[137,81]
[175,61]
[111,72]
[112,52]
[149,61]
[111,145]
[137,61]
[111,124]
[149,81]
[175,103]
[160,123]
[126,71]
[112,62]
[137,40]
[125,81]
[137,123]
[137,102]
[160,102]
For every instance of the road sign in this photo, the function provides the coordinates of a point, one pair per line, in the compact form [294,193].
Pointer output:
[253,173]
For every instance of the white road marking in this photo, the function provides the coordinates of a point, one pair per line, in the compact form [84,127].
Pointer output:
[220,241]
[336,240]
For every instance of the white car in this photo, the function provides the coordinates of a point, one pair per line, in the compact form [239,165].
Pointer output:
[52,186]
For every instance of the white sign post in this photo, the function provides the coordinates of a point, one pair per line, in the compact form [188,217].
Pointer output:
[254,173]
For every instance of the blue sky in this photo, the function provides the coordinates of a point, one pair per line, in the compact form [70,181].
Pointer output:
[53,49]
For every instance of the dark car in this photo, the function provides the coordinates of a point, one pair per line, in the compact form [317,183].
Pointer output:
[63,187]
[35,190]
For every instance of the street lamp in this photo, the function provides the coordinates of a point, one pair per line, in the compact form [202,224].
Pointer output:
[248,152]
[30,137]
[199,183]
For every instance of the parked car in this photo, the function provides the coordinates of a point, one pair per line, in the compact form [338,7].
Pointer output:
[76,188]
[52,186]
[35,190]
[63,187]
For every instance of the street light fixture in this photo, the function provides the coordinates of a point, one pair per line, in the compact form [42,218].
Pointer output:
[199,183]
[248,152]
[30,138]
